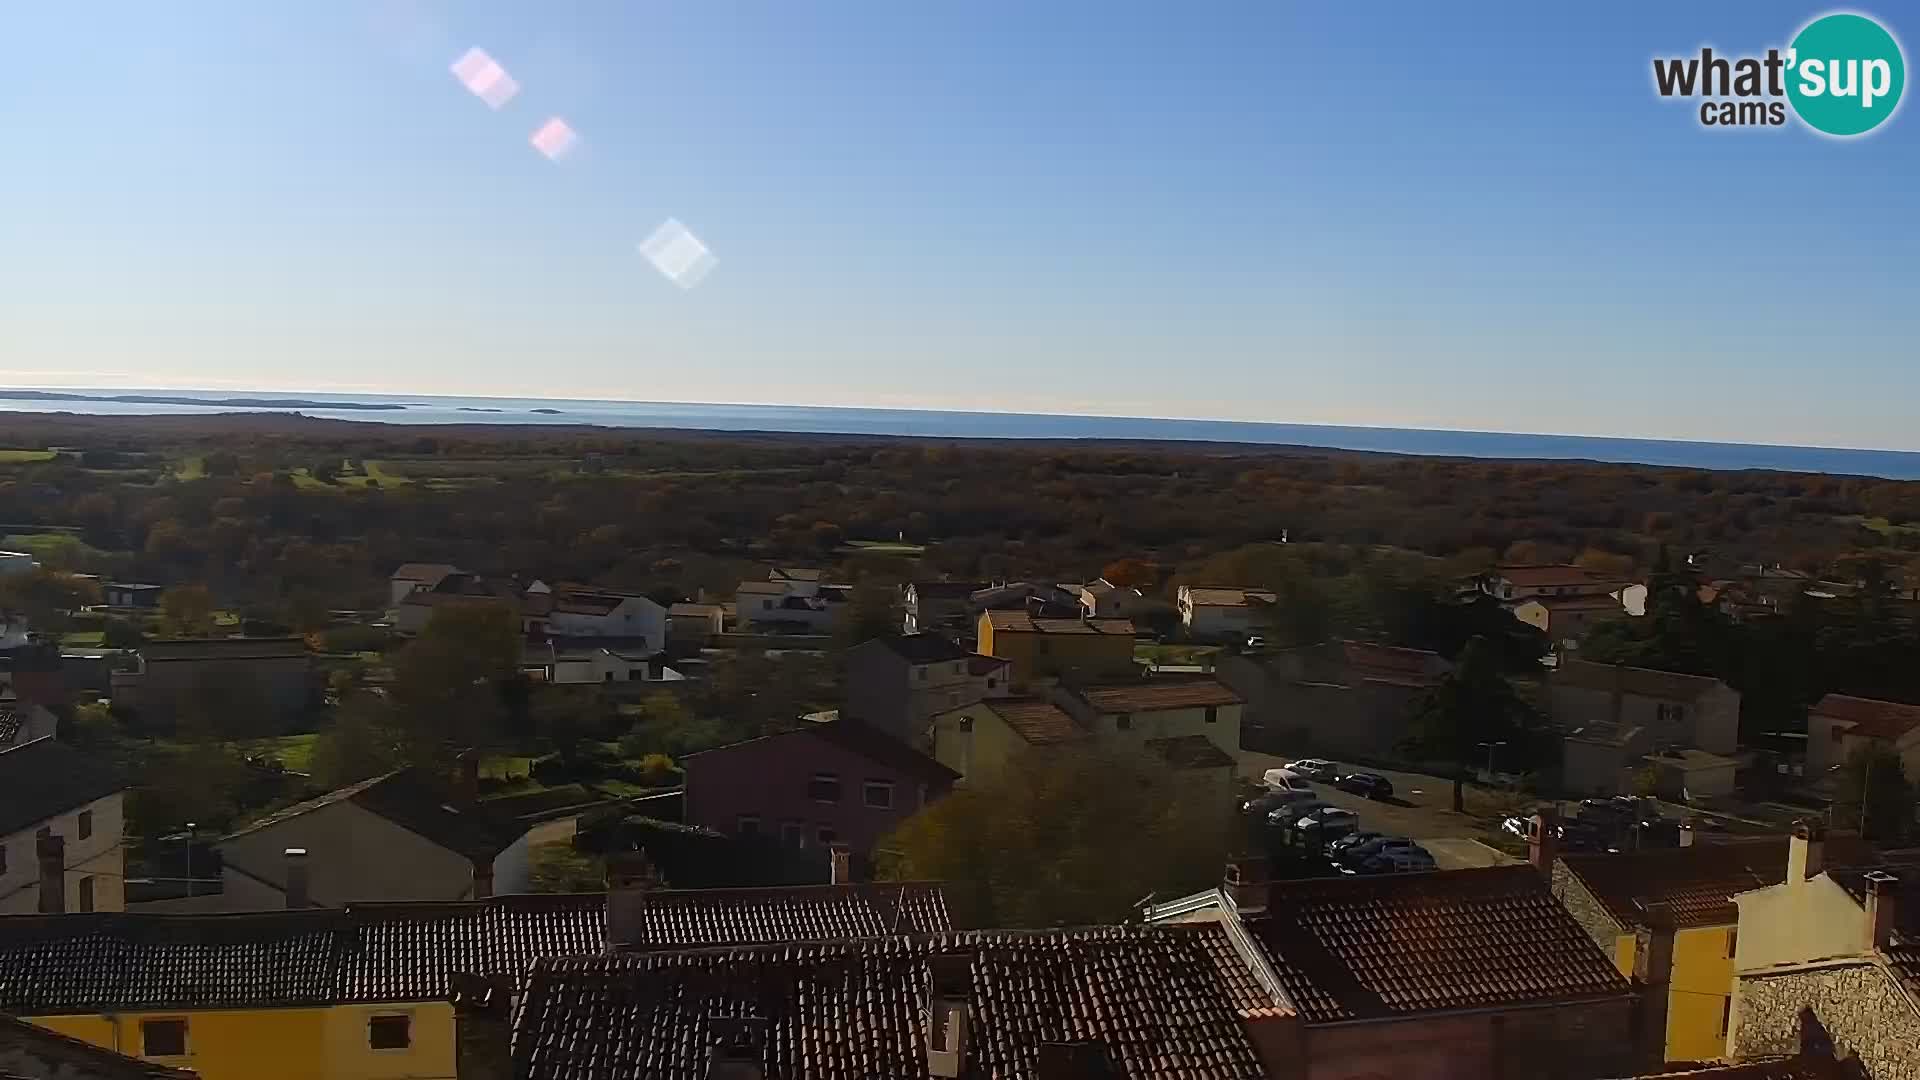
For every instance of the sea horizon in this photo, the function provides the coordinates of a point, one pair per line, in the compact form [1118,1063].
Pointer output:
[444,409]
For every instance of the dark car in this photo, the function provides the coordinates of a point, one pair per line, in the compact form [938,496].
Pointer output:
[1372,785]
[1352,840]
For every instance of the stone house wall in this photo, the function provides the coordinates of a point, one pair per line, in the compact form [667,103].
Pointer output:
[1860,1005]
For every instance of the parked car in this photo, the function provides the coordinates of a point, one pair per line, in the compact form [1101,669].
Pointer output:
[1255,641]
[1372,785]
[1284,778]
[1285,816]
[1258,805]
[1328,824]
[1314,768]
[1405,861]
[1360,853]
[1351,840]
[1276,798]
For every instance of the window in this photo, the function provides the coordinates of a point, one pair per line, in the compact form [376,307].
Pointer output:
[1679,714]
[748,825]
[766,605]
[86,824]
[824,787]
[878,794]
[959,667]
[1123,721]
[609,677]
[1733,941]
[1836,732]
[86,893]
[966,724]
[389,1032]
[3,858]
[992,682]
[1726,1015]
[793,834]
[919,674]
[1213,713]
[163,1038]
[827,836]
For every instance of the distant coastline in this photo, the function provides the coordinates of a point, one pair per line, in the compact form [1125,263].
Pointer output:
[827,421]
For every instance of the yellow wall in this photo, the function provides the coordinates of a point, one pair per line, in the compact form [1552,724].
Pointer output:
[977,755]
[283,1044]
[1100,655]
[1697,998]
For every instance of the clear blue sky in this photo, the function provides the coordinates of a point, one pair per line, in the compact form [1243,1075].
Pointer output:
[1399,214]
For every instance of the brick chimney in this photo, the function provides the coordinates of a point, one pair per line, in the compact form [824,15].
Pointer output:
[739,1048]
[630,878]
[482,1027]
[840,862]
[946,1034]
[1653,975]
[1543,839]
[52,850]
[1806,851]
[299,883]
[466,781]
[1246,881]
[1883,908]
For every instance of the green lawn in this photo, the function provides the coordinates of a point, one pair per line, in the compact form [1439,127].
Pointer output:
[84,639]
[882,547]
[1881,525]
[293,751]
[61,550]
[15,457]
[505,766]
[191,468]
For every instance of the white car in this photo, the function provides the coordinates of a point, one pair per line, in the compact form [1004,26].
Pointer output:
[1330,823]
[1314,768]
[1286,814]
[1284,779]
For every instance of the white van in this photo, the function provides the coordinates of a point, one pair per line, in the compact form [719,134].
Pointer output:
[1284,780]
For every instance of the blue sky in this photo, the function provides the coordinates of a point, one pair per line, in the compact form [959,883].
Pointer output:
[1385,214]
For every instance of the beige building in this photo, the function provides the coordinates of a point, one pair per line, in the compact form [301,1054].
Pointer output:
[1838,725]
[275,674]
[1567,619]
[899,682]
[1672,709]
[1133,713]
[50,791]
[1214,612]
[1337,698]
[1517,582]
[979,740]
[1839,943]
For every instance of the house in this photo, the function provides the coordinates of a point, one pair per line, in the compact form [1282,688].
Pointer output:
[1040,647]
[1674,709]
[22,721]
[401,836]
[1526,581]
[528,603]
[1612,894]
[1199,764]
[816,785]
[585,611]
[1839,725]
[574,665]
[275,675]
[1567,619]
[1218,612]
[696,624]
[1841,943]
[17,562]
[62,815]
[939,607]
[1043,599]
[898,682]
[1134,713]
[791,599]
[361,992]
[121,594]
[1102,599]
[1147,1003]
[1459,973]
[1338,698]
[417,577]
[977,741]
[29,1053]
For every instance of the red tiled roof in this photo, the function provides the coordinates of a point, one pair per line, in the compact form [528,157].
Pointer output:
[1040,723]
[1640,682]
[1022,623]
[696,918]
[1226,596]
[1542,577]
[1163,1002]
[1698,882]
[1389,663]
[856,738]
[1869,717]
[1403,944]
[1158,694]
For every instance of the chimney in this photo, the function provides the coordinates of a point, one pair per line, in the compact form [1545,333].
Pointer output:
[466,786]
[739,1048]
[1806,852]
[841,858]
[1246,882]
[1883,907]
[1653,972]
[1543,839]
[946,1034]
[630,878]
[1085,1060]
[52,849]
[482,1027]
[299,884]
[1279,1040]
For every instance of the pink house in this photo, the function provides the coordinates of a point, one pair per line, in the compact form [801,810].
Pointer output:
[823,783]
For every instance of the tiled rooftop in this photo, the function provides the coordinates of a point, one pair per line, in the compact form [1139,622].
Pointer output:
[416,803]
[1164,1001]
[1157,694]
[1038,722]
[73,1058]
[1397,945]
[1020,622]
[1226,596]
[45,778]
[1698,882]
[1876,719]
[683,919]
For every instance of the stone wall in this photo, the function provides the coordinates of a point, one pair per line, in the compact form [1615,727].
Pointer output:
[1586,910]
[1860,1005]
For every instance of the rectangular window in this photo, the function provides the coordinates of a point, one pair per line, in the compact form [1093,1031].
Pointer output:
[966,724]
[920,674]
[1733,941]
[86,824]
[748,825]
[163,1038]
[793,834]
[1123,721]
[86,893]
[878,794]
[1726,1015]
[827,836]
[992,682]
[1213,713]
[3,858]
[1837,729]
[824,787]
[960,667]
[393,1032]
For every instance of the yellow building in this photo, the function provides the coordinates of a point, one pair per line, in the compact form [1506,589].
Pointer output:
[1044,648]
[1609,895]
[979,740]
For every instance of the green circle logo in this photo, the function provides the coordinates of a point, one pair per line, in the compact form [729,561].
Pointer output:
[1845,74]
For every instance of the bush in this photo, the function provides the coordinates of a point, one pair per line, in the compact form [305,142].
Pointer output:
[349,639]
[657,770]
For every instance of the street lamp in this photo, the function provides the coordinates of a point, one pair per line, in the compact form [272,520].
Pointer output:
[1490,747]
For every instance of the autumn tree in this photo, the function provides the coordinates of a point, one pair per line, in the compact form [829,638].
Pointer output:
[1472,705]
[1131,573]
[450,683]
[359,743]
[46,596]
[870,613]
[1066,839]
[187,611]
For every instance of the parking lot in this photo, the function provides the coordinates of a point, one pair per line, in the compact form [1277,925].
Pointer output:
[1421,808]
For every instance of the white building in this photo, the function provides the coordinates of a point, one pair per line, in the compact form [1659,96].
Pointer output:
[1214,612]
[48,787]
[584,611]
[17,562]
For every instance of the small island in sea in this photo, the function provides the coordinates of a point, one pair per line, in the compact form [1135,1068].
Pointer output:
[230,403]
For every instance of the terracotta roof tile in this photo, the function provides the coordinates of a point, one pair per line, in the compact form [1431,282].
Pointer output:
[693,918]
[1162,1001]
[1699,882]
[1872,718]
[1226,596]
[1153,695]
[46,778]
[1020,622]
[1403,944]
[1039,723]
[85,1060]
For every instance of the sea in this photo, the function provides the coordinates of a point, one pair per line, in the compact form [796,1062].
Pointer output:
[418,409]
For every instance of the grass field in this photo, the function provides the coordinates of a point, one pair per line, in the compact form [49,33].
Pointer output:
[60,550]
[293,751]
[17,457]
[190,468]
[882,547]
[1882,525]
